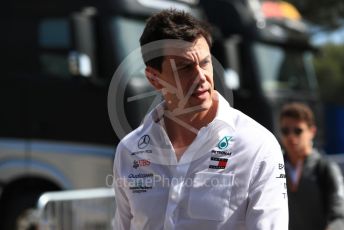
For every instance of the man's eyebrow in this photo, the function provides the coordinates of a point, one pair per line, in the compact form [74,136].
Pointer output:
[206,58]
[185,61]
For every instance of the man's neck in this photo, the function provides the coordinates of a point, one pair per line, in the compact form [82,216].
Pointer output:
[182,130]
[299,157]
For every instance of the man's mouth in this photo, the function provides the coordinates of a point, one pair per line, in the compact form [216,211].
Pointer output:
[200,93]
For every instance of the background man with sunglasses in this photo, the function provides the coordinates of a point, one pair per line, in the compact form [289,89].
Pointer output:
[314,184]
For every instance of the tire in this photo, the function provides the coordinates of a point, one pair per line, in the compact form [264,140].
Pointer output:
[18,200]
[15,206]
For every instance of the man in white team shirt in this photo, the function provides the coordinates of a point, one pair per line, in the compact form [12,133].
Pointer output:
[195,162]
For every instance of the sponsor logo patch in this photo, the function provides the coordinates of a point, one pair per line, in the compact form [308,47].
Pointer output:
[224,142]
[282,176]
[140,175]
[143,142]
[140,152]
[139,189]
[140,163]
[223,153]
[218,163]
[140,182]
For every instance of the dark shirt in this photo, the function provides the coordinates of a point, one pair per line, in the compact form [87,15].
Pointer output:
[318,201]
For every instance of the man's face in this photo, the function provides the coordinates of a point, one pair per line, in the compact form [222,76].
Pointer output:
[186,79]
[297,136]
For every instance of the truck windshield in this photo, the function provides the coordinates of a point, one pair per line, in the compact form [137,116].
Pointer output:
[126,34]
[284,68]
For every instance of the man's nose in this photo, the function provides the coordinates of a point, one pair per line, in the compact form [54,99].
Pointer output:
[200,74]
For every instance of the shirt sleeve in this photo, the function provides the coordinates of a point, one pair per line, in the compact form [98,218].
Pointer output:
[123,214]
[268,201]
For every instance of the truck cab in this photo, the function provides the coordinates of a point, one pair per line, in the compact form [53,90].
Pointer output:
[267,57]
[58,59]
[63,96]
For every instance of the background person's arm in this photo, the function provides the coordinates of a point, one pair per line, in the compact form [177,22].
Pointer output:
[334,197]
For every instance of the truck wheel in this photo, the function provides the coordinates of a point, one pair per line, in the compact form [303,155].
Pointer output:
[15,208]
[19,199]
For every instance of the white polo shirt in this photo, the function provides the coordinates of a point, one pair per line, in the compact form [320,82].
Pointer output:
[231,177]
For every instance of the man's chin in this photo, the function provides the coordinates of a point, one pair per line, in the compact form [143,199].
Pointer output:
[201,106]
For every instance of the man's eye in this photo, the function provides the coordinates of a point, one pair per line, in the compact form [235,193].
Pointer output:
[185,67]
[205,63]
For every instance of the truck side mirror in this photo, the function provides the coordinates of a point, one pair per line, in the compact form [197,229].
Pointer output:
[232,79]
[83,60]
[79,64]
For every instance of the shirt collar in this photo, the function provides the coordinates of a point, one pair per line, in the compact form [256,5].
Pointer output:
[224,111]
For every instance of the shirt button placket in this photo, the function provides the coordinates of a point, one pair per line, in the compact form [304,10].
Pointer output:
[175,195]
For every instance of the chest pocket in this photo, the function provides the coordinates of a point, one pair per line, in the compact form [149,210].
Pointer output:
[210,195]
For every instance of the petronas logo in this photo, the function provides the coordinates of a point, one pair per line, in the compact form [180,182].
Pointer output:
[223,144]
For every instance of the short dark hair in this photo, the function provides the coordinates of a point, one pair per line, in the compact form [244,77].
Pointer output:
[172,24]
[298,111]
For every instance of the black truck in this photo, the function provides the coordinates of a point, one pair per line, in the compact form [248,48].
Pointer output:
[58,60]
[266,51]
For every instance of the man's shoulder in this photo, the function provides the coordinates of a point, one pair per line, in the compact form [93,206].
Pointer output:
[132,138]
[249,128]
[242,124]
[325,162]
[256,140]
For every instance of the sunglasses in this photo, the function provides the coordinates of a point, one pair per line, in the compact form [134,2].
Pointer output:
[296,131]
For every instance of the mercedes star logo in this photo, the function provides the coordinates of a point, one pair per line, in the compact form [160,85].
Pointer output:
[143,142]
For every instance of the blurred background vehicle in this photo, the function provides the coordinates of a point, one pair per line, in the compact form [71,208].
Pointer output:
[58,58]
[268,46]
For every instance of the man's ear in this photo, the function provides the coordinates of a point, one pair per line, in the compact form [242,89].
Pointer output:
[152,76]
[313,129]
